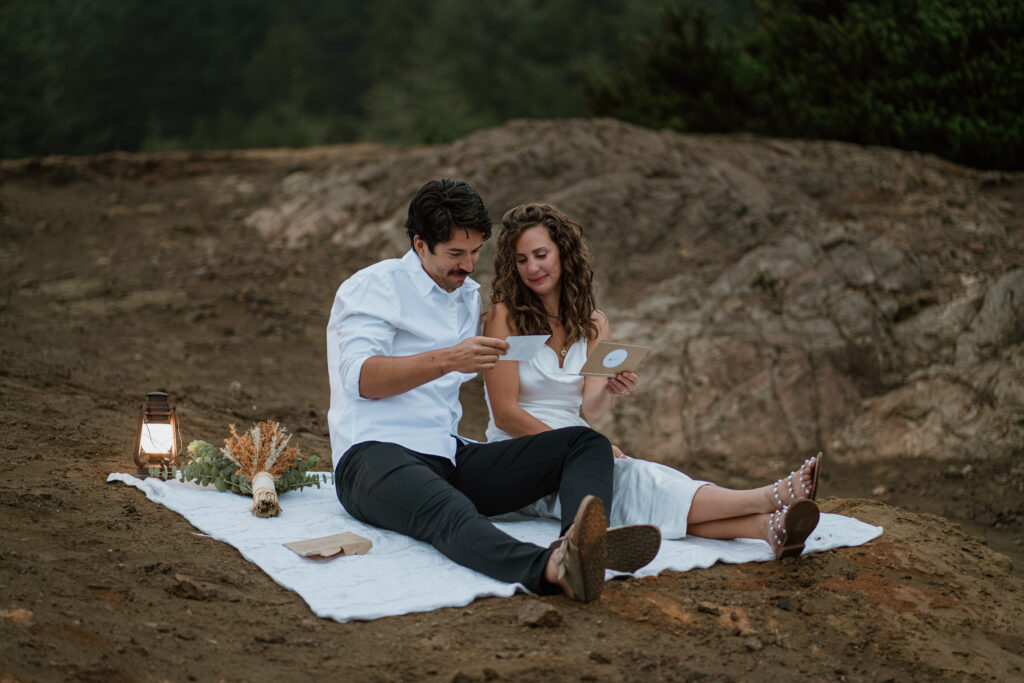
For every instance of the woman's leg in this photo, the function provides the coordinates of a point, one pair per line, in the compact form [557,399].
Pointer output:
[784,530]
[713,502]
[748,526]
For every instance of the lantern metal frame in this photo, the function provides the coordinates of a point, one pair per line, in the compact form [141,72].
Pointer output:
[156,410]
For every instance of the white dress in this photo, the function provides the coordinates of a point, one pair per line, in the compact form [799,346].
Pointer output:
[644,492]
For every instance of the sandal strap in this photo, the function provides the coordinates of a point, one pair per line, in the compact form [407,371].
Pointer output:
[788,479]
[803,487]
[566,572]
[777,526]
[805,491]
[810,490]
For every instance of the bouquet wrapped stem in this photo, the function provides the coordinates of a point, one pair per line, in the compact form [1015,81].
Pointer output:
[264,496]
[261,454]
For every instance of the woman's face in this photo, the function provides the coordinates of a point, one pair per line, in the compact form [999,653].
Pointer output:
[537,260]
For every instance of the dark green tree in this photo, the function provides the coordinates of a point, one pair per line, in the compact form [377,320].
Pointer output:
[688,77]
[96,75]
[940,76]
[28,75]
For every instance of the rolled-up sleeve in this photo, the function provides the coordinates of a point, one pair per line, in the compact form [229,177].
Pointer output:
[361,327]
[361,337]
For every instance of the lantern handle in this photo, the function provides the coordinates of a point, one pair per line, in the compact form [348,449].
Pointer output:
[177,439]
[142,472]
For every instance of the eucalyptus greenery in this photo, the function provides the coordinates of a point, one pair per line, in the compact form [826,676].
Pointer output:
[207,464]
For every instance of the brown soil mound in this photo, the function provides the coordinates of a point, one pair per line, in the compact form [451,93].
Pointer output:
[801,296]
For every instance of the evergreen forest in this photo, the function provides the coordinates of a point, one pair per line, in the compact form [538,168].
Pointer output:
[86,76]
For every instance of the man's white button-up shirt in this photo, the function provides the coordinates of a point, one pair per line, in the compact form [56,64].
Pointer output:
[393,308]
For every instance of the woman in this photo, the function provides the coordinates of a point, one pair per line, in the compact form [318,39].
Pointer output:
[543,284]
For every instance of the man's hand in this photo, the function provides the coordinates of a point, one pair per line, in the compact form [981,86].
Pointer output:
[382,376]
[475,354]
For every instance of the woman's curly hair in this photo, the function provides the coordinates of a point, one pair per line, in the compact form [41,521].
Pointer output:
[576,301]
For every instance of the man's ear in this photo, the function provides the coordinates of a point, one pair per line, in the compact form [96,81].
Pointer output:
[419,245]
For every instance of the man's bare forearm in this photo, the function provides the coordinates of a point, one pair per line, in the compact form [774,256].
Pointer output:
[384,376]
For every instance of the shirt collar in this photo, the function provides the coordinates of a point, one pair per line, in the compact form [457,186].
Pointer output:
[423,283]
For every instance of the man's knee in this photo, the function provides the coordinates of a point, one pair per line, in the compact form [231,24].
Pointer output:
[589,440]
[597,438]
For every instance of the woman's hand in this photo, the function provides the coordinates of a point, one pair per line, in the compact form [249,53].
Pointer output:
[617,452]
[622,384]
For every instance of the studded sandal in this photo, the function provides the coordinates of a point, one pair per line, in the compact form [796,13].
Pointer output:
[805,493]
[791,525]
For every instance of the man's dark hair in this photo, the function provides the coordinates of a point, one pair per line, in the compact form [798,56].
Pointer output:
[443,205]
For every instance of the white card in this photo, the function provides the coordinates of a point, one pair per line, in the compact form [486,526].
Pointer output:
[524,347]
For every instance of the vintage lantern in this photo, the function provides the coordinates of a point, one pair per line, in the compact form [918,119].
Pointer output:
[158,440]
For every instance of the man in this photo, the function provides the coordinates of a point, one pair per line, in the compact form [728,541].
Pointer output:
[401,340]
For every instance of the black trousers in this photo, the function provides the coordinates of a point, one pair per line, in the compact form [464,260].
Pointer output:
[446,505]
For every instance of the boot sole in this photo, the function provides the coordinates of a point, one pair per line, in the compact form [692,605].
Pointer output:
[632,547]
[590,529]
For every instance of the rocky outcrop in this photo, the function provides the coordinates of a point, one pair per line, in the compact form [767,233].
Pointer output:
[800,295]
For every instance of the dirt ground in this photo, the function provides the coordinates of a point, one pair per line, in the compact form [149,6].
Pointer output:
[122,276]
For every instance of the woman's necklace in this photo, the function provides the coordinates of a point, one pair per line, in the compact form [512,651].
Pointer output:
[565,348]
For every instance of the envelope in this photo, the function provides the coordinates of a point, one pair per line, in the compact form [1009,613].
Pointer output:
[345,543]
[610,358]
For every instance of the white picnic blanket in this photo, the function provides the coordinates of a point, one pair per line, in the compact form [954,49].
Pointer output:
[401,575]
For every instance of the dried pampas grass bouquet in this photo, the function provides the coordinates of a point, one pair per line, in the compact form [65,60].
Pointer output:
[262,454]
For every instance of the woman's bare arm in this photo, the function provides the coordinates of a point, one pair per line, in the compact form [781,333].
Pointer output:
[599,392]
[503,383]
